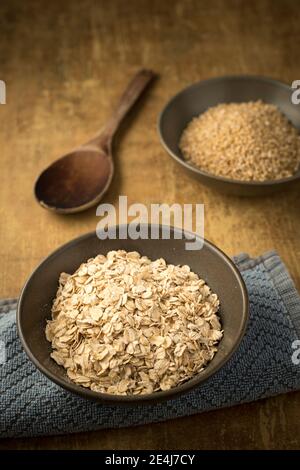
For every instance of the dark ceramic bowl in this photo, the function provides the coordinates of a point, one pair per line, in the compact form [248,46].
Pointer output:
[34,306]
[197,98]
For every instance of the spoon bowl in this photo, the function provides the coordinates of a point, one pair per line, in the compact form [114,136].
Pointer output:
[75,181]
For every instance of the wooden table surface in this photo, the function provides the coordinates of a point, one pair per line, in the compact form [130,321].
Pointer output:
[64,65]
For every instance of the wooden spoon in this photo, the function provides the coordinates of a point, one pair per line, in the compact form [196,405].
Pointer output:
[79,179]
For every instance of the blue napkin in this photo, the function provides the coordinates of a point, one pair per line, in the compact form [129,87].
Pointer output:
[265,364]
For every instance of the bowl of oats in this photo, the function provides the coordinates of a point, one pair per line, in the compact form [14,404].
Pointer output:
[237,134]
[132,320]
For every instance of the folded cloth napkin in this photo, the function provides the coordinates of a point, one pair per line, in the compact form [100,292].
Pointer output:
[265,364]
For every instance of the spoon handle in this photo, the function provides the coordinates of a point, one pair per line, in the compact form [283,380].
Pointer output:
[127,100]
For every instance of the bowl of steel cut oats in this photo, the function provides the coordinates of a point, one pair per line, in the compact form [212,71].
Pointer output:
[238,134]
[132,320]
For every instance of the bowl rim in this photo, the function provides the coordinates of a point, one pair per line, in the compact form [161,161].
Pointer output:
[206,174]
[190,384]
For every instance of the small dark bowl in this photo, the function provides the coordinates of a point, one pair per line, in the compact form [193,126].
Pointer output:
[197,98]
[34,306]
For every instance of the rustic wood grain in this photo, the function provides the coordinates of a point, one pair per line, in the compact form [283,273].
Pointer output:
[65,64]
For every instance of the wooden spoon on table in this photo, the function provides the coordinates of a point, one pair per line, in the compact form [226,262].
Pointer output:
[79,179]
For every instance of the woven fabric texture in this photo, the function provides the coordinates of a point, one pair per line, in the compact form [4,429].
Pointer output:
[31,405]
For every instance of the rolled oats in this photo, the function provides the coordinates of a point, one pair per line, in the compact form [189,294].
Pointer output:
[123,324]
